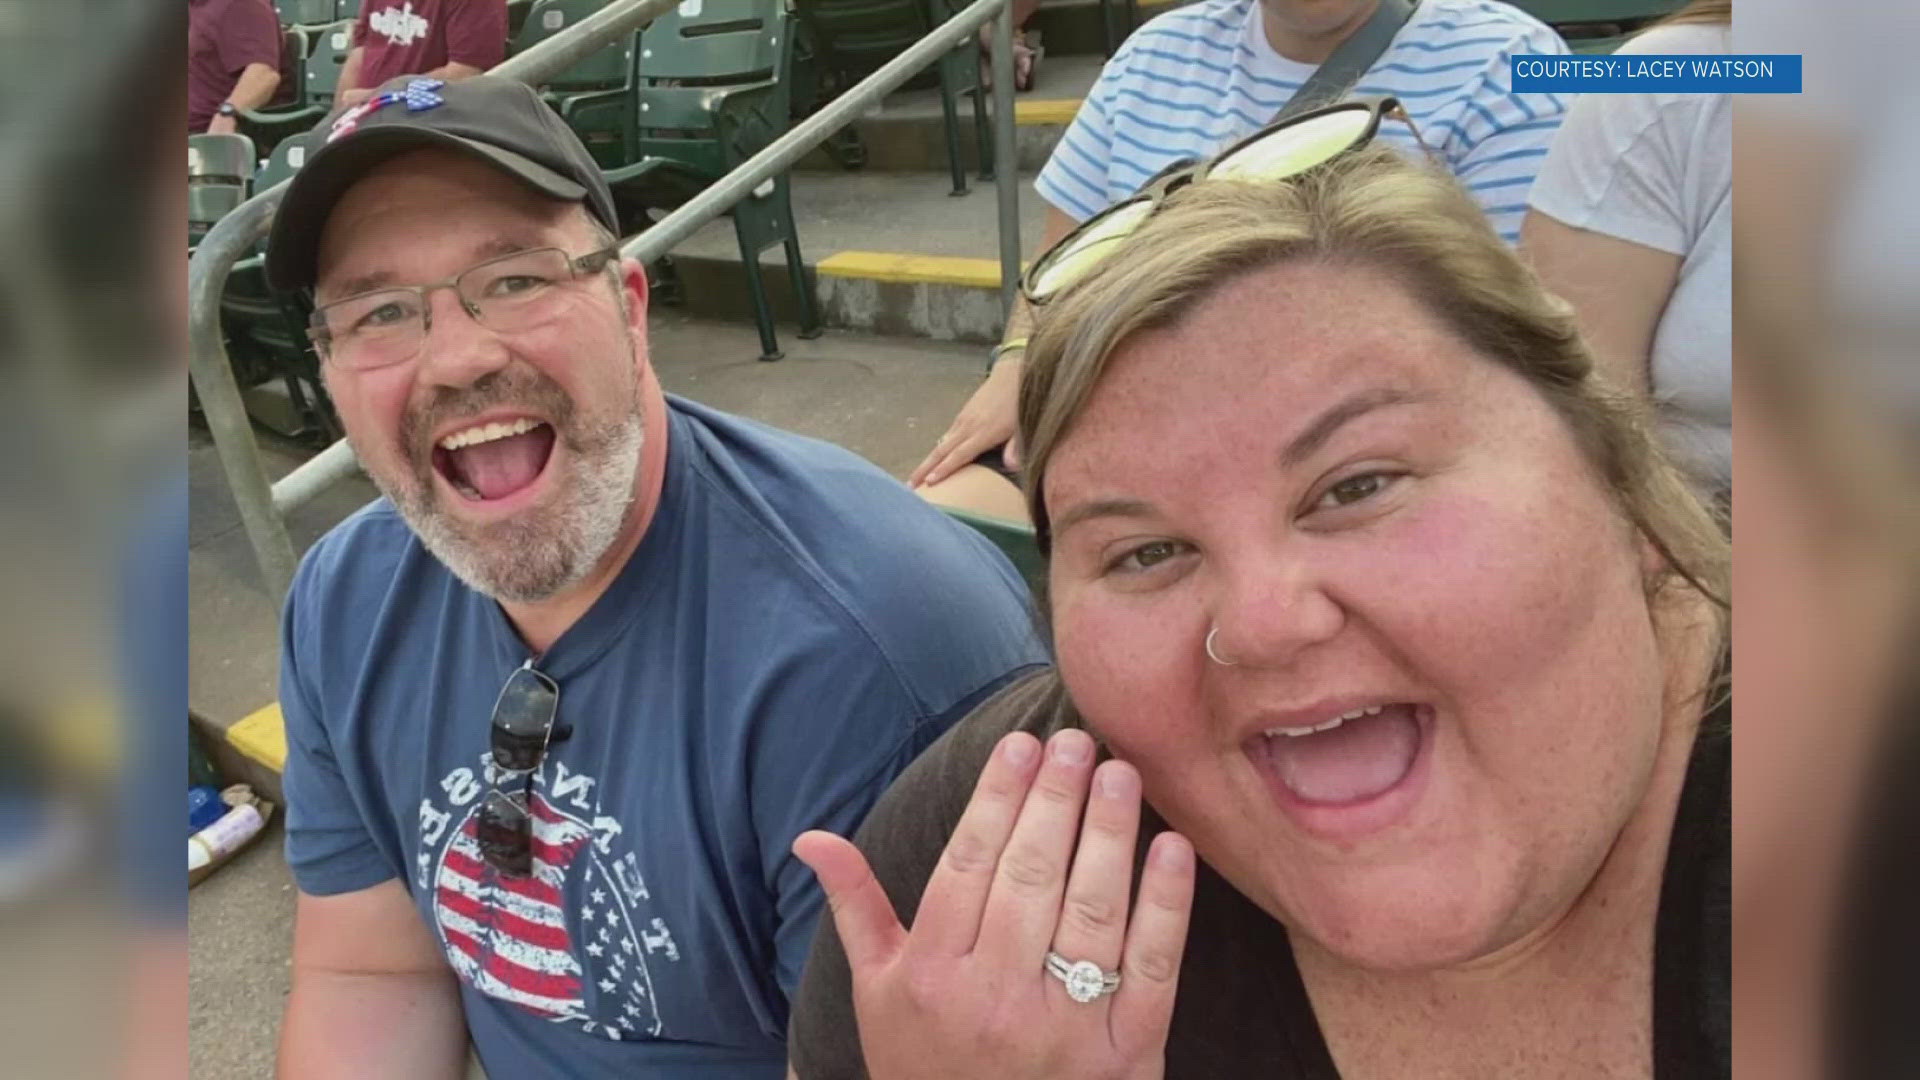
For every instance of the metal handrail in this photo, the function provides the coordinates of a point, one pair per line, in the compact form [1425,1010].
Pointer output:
[263,505]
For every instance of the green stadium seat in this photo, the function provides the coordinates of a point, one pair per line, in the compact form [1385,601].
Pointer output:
[218,168]
[1015,541]
[219,158]
[1117,20]
[266,337]
[280,165]
[710,90]
[207,204]
[306,12]
[593,96]
[1597,26]
[324,55]
[293,71]
[517,12]
[855,37]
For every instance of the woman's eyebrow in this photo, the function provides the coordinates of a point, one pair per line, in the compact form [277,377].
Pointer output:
[1323,426]
[1100,508]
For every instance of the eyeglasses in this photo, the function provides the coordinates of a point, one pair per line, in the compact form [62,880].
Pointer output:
[1278,151]
[521,731]
[509,294]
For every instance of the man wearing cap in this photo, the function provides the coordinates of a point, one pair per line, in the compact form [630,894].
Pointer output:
[557,705]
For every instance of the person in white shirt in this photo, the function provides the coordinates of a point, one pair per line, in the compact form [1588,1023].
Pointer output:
[1632,223]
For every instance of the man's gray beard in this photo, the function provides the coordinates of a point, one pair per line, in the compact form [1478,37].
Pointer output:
[543,553]
[547,550]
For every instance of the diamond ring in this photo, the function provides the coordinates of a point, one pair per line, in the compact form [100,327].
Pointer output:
[1084,980]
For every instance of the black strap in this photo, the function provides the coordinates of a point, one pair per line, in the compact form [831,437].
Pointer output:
[1337,74]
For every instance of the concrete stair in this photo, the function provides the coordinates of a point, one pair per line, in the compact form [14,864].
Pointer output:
[890,252]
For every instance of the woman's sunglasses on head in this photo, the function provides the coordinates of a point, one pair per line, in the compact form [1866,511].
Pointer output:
[1276,152]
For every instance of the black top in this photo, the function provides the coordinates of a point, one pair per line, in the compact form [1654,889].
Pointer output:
[1239,976]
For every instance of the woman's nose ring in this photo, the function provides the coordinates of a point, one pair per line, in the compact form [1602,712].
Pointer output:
[1212,655]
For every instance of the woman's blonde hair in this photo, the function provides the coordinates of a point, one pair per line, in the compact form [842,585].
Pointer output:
[1371,208]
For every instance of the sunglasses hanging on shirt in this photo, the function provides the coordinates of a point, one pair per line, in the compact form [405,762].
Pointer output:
[520,734]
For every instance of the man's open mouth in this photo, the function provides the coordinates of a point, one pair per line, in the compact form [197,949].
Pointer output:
[491,461]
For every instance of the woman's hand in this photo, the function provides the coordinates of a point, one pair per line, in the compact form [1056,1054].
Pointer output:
[966,992]
[987,420]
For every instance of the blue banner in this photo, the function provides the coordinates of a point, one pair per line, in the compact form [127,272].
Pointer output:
[1689,74]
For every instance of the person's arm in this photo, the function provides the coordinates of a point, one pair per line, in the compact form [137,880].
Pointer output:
[1618,290]
[250,44]
[990,416]
[349,90]
[372,996]
[453,71]
[254,89]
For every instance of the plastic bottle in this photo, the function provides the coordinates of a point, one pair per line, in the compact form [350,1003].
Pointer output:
[223,837]
[204,807]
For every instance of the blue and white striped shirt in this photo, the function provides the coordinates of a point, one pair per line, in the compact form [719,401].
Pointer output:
[1196,78]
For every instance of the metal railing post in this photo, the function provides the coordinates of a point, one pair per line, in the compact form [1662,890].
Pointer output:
[262,505]
[1006,160]
[219,393]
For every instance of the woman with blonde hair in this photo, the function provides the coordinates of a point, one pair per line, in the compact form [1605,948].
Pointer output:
[1383,738]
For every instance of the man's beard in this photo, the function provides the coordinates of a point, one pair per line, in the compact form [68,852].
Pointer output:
[545,549]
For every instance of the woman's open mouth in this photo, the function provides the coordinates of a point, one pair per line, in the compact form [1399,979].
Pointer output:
[491,462]
[1348,774]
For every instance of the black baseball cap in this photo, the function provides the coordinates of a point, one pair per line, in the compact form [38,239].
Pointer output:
[496,120]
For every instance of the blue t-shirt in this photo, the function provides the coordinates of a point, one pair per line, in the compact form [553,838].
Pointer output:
[794,628]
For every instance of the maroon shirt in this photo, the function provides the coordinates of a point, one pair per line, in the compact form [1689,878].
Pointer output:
[405,37]
[223,37]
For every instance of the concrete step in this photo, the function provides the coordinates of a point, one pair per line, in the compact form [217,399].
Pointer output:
[890,253]
[907,132]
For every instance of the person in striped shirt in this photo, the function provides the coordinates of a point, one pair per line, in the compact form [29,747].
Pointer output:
[1196,78]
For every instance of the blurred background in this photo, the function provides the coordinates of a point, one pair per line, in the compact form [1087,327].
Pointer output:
[1827,524]
[93,403]
[93,642]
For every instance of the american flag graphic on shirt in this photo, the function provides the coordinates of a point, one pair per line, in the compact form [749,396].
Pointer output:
[515,940]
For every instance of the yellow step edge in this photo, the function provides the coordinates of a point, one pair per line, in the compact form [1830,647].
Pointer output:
[912,269]
[1033,112]
[262,737]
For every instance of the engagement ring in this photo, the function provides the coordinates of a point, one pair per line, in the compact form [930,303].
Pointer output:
[1084,980]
